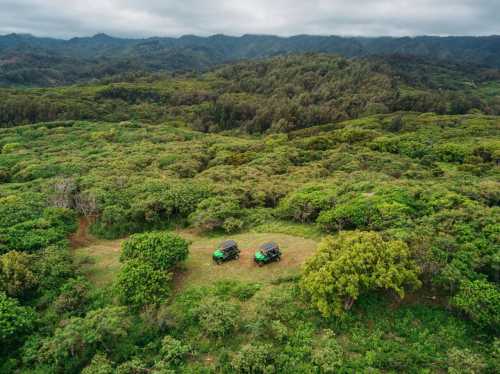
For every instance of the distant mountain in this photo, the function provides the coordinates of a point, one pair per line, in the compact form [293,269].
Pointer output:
[29,60]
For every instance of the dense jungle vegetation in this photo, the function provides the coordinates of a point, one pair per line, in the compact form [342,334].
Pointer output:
[390,164]
[281,94]
[26,60]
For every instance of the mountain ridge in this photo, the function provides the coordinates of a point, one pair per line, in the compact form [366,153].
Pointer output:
[24,58]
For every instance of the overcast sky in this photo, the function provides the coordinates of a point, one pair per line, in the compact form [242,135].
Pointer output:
[142,18]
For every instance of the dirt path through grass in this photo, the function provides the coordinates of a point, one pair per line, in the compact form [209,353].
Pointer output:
[99,258]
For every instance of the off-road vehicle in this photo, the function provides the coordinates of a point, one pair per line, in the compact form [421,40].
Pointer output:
[267,253]
[226,251]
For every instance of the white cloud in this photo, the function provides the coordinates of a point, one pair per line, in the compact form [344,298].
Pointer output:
[139,18]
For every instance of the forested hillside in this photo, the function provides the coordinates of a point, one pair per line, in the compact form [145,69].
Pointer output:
[378,178]
[281,94]
[26,60]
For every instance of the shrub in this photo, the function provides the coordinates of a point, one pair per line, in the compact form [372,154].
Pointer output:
[359,213]
[365,211]
[134,366]
[480,300]
[213,212]
[463,361]
[19,208]
[15,320]
[254,359]
[173,351]
[162,250]
[305,205]
[241,291]
[217,317]
[16,273]
[10,147]
[74,344]
[114,221]
[139,283]
[53,266]
[63,218]
[100,364]
[232,224]
[328,357]
[353,263]
[74,296]
[33,235]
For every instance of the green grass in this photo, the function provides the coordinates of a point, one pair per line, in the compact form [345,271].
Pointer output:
[290,228]
[99,259]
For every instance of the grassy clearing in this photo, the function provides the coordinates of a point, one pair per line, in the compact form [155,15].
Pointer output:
[290,228]
[200,269]
[99,259]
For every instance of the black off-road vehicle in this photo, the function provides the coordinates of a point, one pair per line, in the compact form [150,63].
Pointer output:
[226,251]
[267,253]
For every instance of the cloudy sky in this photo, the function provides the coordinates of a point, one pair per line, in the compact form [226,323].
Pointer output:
[142,18]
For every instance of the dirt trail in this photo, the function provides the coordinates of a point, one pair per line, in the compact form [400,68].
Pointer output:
[82,237]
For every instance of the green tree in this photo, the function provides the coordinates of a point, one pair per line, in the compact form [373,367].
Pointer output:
[16,273]
[73,345]
[254,359]
[218,317]
[15,320]
[173,351]
[138,283]
[53,266]
[480,300]
[329,355]
[353,263]
[215,213]
[74,296]
[100,364]
[161,250]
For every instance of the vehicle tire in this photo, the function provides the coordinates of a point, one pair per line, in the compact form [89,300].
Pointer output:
[278,259]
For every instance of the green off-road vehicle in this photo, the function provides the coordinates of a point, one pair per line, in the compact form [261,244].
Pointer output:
[267,253]
[226,251]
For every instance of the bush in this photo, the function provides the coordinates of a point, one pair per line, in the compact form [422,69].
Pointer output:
[53,226]
[232,224]
[15,320]
[463,361]
[19,208]
[329,356]
[353,263]
[305,205]
[368,212]
[241,291]
[74,344]
[480,300]
[173,351]
[214,212]
[100,364]
[451,152]
[217,317]
[53,266]
[63,218]
[74,297]
[161,250]
[254,359]
[16,273]
[139,283]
